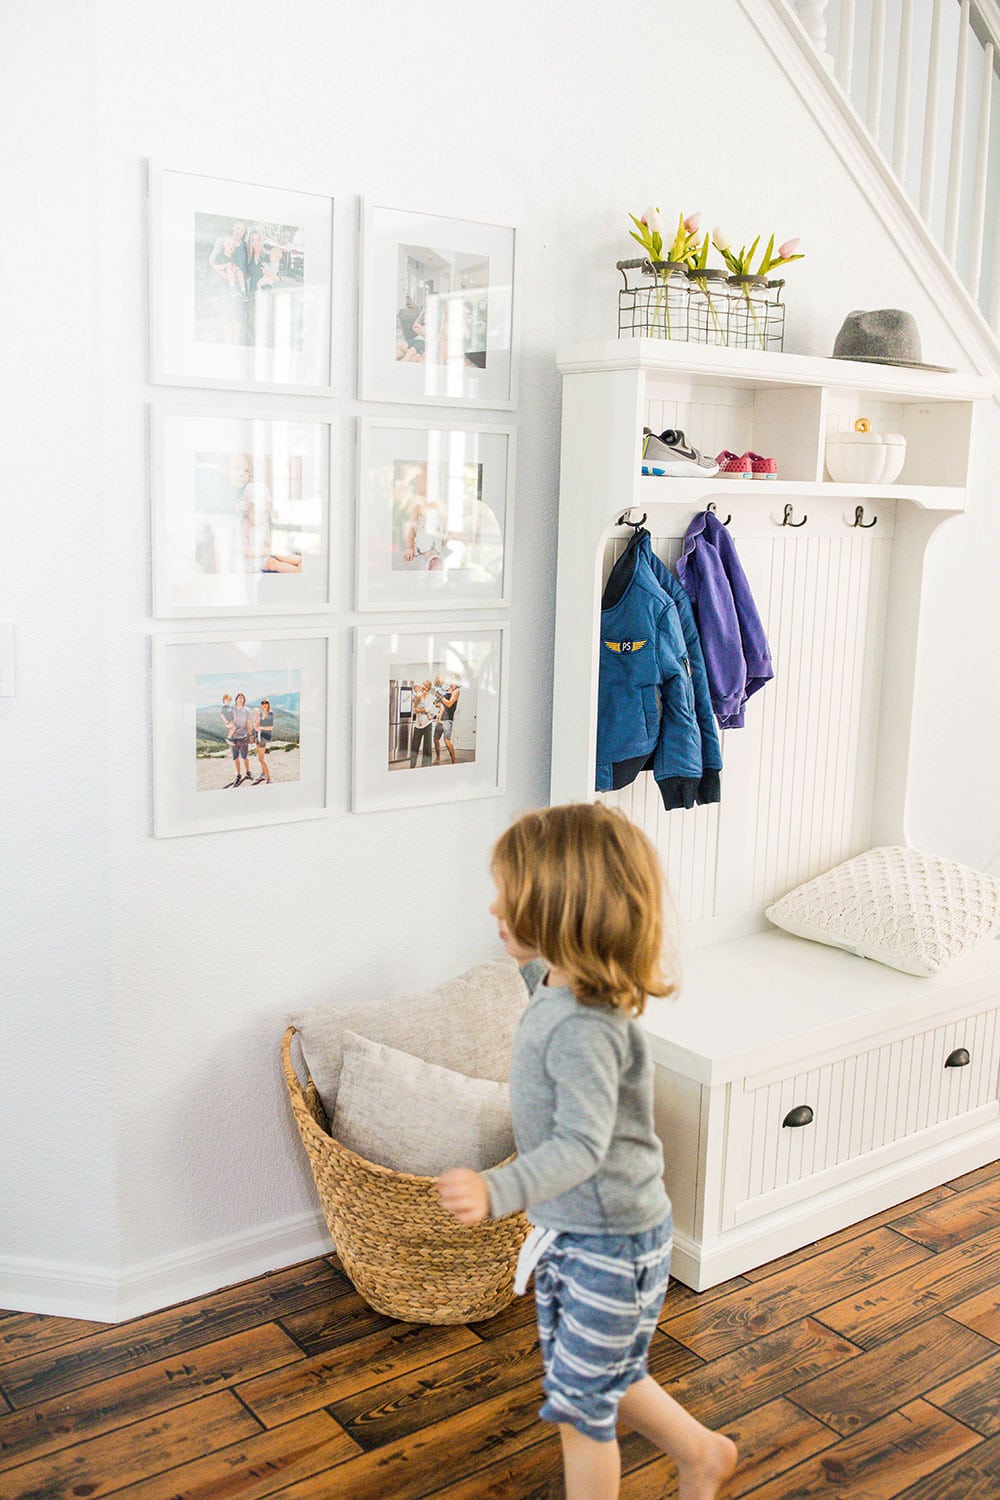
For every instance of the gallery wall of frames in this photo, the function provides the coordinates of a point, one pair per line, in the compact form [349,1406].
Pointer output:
[246,514]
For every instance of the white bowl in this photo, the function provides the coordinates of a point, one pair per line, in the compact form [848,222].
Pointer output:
[865,457]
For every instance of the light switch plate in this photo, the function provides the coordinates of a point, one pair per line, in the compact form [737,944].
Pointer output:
[6,659]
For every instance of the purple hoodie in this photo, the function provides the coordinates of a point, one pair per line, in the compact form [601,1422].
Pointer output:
[737,656]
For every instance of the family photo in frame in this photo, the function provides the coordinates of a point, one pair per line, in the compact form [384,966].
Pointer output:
[437,309]
[241,512]
[430,713]
[244,720]
[240,284]
[240,730]
[434,514]
[424,713]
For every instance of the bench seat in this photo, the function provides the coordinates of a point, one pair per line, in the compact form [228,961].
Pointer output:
[800,1088]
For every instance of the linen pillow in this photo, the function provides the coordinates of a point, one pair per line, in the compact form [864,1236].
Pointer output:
[414,1116]
[466,1024]
[908,910]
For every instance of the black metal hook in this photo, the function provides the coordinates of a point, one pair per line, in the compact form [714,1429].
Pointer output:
[711,506]
[859,511]
[624,521]
[786,521]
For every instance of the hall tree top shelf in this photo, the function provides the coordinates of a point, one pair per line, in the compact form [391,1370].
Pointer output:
[755,367]
[782,405]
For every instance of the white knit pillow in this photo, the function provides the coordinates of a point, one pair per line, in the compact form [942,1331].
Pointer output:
[912,911]
[413,1116]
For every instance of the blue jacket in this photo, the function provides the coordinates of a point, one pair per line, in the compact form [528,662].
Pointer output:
[736,651]
[653,705]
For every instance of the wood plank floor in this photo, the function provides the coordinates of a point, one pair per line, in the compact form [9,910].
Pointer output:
[866,1365]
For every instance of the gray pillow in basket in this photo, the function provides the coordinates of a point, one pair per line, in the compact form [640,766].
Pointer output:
[414,1116]
[466,1024]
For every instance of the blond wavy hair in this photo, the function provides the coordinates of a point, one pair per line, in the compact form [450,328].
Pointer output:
[582,886]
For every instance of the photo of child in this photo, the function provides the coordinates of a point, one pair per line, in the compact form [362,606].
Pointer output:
[251,515]
[247,729]
[432,717]
[241,513]
[443,307]
[239,265]
[440,522]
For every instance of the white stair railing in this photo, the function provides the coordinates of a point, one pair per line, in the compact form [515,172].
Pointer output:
[931,116]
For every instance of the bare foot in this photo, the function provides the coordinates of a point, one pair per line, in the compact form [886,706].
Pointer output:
[703,1480]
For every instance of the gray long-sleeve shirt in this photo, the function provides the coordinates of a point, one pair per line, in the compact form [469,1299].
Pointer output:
[581,1098]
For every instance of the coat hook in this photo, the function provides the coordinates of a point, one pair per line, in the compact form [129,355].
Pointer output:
[624,520]
[711,507]
[859,511]
[786,519]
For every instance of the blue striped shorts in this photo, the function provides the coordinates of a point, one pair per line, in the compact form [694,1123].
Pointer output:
[598,1298]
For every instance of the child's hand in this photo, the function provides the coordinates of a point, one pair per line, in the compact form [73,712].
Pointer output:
[464,1194]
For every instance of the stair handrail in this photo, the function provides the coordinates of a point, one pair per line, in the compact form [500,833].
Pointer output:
[979,24]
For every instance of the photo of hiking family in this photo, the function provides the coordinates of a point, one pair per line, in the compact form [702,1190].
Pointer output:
[247,729]
[238,267]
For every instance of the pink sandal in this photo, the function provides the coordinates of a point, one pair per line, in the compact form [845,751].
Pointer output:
[734,466]
[763,468]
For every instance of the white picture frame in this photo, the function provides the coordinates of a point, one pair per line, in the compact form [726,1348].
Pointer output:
[435,514]
[225,310]
[241,511]
[437,322]
[398,762]
[196,743]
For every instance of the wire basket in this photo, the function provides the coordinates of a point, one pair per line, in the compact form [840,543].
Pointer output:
[756,313]
[669,300]
[658,304]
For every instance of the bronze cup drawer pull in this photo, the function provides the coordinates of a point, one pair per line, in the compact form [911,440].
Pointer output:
[800,1115]
[958,1059]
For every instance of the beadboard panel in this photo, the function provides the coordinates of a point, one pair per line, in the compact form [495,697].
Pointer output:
[798,778]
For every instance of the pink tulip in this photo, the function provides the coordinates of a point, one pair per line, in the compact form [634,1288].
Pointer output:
[691,222]
[788,248]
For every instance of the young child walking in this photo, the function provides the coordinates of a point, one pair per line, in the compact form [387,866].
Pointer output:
[580,888]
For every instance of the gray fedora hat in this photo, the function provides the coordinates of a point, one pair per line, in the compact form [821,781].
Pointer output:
[887,336]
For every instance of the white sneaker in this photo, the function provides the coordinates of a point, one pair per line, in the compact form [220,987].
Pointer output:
[671,456]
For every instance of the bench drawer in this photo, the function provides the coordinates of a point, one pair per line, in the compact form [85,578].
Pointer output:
[790,1136]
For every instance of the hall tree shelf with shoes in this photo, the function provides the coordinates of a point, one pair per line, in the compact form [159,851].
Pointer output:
[769,1026]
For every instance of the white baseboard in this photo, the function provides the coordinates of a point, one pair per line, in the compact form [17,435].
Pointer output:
[88,1292]
[58,1289]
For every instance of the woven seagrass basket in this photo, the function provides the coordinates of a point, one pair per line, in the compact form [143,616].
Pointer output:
[404,1253]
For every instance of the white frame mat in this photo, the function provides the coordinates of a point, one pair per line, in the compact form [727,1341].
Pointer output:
[270,454]
[467,574]
[475,653]
[297,313]
[251,657]
[445,250]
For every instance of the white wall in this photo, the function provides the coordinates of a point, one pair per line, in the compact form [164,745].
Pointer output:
[57,1160]
[556,119]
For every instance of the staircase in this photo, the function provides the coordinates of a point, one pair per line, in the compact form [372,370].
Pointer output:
[908,91]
